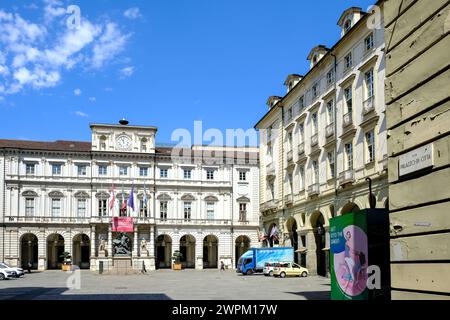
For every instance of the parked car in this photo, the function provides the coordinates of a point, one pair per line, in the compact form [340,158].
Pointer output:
[7,273]
[268,268]
[289,269]
[19,271]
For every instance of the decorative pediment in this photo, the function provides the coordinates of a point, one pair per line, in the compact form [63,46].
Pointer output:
[102,195]
[211,199]
[30,194]
[56,194]
[188,197]
[81,195]
[243,199]
[164,197]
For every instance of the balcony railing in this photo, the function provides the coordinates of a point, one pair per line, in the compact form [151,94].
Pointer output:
[329,131]
[301,149]
[288,199]
[314,140]
[348,119]
[347,176]
[193,222]
[290,156]
[268,205]
[313,190]
[369,105]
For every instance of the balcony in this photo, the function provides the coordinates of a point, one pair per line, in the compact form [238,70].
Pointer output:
[369,115]
[348,120]
[194,222]
[269,206]
[313,190]
[369,105]
[314,140]
[301,149]
[329,131]
[54,220]
[270,171]
[288,200]
[290,156]
[347,125]
[346,177]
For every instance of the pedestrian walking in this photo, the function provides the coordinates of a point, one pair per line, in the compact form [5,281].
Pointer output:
[29,266]
[222,266]
[144,270]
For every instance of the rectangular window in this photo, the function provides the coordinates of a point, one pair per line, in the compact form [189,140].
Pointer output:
[289,140]
[331,164]
[143,210]
[330,78]
[56,207]
[210,175]
[302,178]
[242,176]
[242,212]
[348,95]
[30,168]
[315,165]
[301,102]
[102,207]
[314,122]
[187,211]
[330,111]
[210,210]
[370,143]
[289,114]
[368,42]
[272,190]
[368,77]
[301,131]
[29,207]
[349,155]
[187,174]
[81,208]
[56,169]
[315,90]
[102,146]
[143,171]
[163,173]
[82,170]
[123,170]
[102,170]
[163,210]
[348,62]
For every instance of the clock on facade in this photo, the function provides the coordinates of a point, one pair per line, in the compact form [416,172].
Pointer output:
[123,143]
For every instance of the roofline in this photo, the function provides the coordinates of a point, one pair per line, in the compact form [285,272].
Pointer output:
[105,125]
[329,52]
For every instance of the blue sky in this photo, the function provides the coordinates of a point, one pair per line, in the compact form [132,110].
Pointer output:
[160,63]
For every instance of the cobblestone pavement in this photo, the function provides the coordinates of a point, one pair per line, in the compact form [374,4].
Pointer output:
[163,285]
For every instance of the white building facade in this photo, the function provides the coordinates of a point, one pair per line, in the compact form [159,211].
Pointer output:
[56,197]
[324,139]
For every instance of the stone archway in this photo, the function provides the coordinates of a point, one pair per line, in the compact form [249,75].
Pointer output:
[210,252]
[242,245]
[187,249]
[318,226]
[81,251]
[163,252]
[349,208]
[29,245]
[291,226]
[55,249]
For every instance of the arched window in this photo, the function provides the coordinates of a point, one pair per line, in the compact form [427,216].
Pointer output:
[347,25]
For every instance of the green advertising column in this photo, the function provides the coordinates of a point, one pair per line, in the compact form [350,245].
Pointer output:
[349,257]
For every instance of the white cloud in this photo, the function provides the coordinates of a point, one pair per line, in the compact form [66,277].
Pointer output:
[126,72]
[110,43]
[108,89]
[132,13]
[77,92]
[92,99]
[37,55]
[81,114]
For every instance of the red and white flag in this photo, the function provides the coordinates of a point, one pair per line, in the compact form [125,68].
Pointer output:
[113,198]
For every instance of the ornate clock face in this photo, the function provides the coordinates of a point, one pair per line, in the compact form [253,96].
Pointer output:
[123,143]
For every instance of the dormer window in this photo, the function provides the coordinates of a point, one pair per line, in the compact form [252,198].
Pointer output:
[347,25]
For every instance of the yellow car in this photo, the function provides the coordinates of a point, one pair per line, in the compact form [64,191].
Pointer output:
[289,269]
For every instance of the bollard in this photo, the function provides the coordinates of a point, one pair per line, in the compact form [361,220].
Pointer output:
[100,267]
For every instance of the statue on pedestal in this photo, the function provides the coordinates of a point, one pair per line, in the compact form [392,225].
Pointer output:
[102,248]
[121,245]
[144,250]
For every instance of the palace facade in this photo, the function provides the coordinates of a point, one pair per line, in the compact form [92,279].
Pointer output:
[55,198]
[323,144]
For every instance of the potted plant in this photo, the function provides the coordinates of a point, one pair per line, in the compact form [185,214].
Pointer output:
[177,256]
[67,261]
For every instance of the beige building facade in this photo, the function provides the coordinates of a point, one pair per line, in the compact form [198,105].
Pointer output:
[418,120]
[323,144]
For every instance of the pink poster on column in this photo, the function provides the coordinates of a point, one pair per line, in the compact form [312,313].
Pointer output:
[122,224]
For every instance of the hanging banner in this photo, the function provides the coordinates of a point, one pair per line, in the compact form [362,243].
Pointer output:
[122,224]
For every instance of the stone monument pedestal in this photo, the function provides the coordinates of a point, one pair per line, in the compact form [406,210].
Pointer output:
[122,266]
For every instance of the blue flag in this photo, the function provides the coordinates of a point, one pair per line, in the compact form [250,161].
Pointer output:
[131,199]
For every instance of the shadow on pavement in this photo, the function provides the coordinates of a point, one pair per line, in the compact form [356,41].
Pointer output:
[41,293]
[313,295]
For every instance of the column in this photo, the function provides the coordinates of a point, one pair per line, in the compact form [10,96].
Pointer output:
[42,250]
[151,249]
[311,257]
[135,242]
[199,252]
